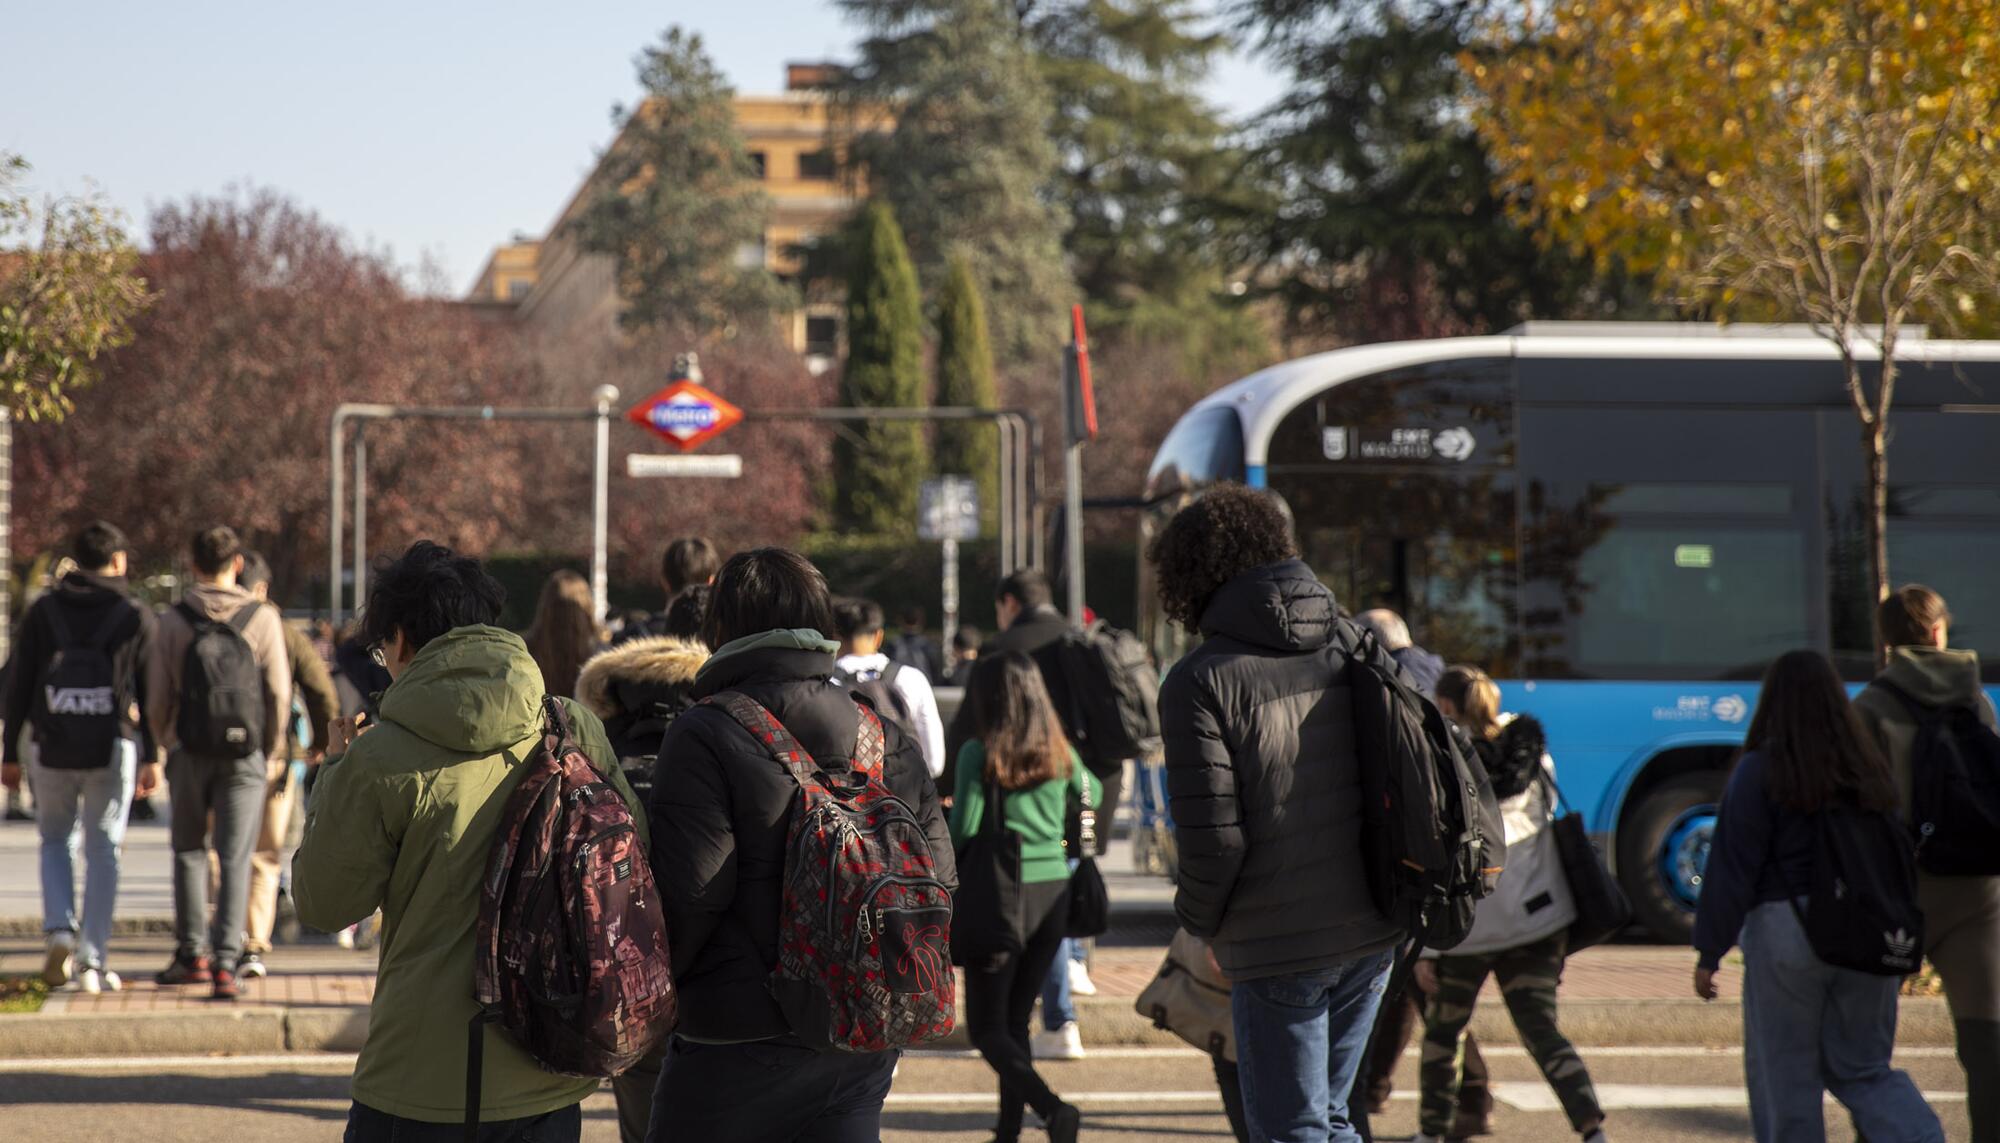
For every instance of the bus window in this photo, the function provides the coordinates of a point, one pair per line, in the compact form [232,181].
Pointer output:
[1665,543]
[1206,446]
[1456,414]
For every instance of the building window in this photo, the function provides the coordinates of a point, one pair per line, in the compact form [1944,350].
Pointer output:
[518,288]
[757,163]
[816,165]
[822,336]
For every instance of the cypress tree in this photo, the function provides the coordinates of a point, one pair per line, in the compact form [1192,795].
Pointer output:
[878,467]
[965,377]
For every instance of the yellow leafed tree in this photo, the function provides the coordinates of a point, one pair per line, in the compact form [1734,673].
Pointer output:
[1824,161]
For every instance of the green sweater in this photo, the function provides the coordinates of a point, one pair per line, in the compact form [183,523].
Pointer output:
[1039,813]
[405,823]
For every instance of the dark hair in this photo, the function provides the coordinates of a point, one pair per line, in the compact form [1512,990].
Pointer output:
[688,611]
[1905,618]
[853,617]
[1027,587]
[1016,721]
[97,544]
[766,589]
[564,633]
[689,560]
[1221,534]
[965,639]
[213,549]
[1814,746]
[256,570]
[911,615]
[428,591]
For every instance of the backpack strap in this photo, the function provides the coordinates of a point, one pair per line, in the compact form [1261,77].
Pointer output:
[870,748]
[240,622]
[768,731]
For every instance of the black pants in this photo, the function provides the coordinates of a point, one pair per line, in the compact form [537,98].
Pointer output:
[1230,1084]
[998,1002]
[1113,782]
[771,1091]
[367,1125]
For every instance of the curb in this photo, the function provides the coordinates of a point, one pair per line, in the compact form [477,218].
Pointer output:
[22,928]
[1104,1022]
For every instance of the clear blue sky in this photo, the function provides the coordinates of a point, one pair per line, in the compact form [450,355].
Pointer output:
[432,128]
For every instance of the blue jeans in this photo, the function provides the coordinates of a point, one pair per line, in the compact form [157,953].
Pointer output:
[1300,1039]
[367,1125]
[1810,1028]
[770,1091]
[84,810]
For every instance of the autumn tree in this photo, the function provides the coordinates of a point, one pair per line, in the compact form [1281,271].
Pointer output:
[1773,159]
[265,319]
[965,378]
[879,465]
[968,165]
[677,203]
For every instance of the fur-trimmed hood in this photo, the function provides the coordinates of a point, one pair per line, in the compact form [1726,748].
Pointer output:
[623,679]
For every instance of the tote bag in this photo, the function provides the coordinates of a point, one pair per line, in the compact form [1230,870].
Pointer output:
[986,922]
[1602,909]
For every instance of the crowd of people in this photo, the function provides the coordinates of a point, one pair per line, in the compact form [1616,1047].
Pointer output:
[706,719]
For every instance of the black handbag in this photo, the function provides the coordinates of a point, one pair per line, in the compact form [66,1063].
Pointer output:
[1602,909]
[1089,902]
[986,922]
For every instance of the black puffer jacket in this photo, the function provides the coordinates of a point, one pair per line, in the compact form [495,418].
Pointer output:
[638,688]
[1264,783]
[720,808]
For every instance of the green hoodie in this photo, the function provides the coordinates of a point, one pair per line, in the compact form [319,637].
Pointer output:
[404,823]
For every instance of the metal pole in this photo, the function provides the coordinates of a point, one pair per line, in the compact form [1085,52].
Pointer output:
[950,552]
[1073,529]
[1004,511]
[600,504]
[333,524]
[6,538]
[360,516]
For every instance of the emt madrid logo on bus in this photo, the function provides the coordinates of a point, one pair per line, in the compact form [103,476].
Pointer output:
[1731,709]
[1340,442]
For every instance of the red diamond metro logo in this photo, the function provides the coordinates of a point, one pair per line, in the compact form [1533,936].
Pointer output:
[685,415]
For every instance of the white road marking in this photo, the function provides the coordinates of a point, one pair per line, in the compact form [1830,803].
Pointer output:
[1531,1096]
[1209,1098]
[315,1061]
[1088,1054]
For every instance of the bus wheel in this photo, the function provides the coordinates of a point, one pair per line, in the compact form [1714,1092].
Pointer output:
[1662,849]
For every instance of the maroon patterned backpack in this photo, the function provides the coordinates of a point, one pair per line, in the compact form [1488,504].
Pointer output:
[864,942]
[572,956]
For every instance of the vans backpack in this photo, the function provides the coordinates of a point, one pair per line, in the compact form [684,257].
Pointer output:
[879,688]
[864,941]
[1432,841]
[1861,912]
[1114,695]
[75,704]
[1954,788]
[572,958]
[222,713]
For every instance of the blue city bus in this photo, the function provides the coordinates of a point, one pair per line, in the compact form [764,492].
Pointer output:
[1624,524]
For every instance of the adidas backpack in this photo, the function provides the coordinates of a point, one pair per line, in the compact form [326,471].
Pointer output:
[864,941]
[75,705]
[222,712]
[572,958]
[1432,841]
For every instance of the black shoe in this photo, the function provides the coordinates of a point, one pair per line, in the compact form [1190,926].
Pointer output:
[251,967]
[1065,1124]
[226,987]
[184,970]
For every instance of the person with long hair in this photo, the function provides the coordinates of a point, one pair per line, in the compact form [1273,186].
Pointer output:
[565,633]
[1926,679]
[1519,934]
[1020,757]
[1808,1027]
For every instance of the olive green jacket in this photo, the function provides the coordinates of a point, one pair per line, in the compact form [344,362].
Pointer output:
[404,823]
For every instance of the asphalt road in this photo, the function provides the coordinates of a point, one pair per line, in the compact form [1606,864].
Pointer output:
[1654,1095]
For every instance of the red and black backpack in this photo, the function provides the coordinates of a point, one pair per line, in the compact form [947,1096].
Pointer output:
[864,941]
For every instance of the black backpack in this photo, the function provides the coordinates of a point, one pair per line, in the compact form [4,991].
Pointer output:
[1861,912]
[879,688]
[1954,788]
[222,712]
[1432,841]
[1114,695]
[75,709]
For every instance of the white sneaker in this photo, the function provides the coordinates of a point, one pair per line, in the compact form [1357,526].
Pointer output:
[1080,983]
[96,980]
[1597,1135]
[56,970]
[345,937]
[1065,1043]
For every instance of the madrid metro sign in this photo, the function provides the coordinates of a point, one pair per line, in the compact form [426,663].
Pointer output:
[685,414]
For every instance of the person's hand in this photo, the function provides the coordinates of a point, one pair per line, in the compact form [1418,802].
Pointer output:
[150,776]
[1214,966]
[315,757]
[10,775]
[1426,974]
[1704,982]
[341,734]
